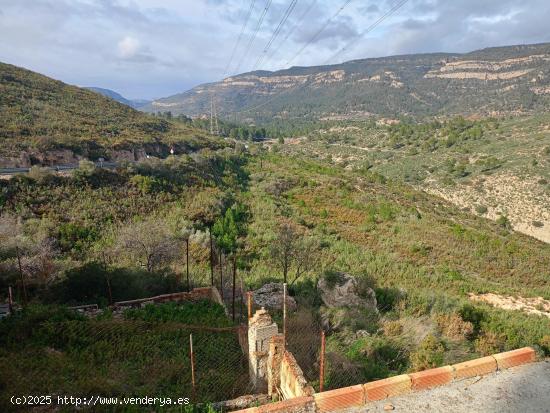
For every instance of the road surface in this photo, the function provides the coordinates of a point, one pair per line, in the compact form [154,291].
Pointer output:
[516,390]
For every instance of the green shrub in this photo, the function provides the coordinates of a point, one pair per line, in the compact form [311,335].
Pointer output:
[73,236]
[454,327]
[388,298]
[504,222]
[90,284]
[379,357]
[429,354]
[392,328]
[333,278]
[481,209]
[204,313]
[474,315]
[489,343]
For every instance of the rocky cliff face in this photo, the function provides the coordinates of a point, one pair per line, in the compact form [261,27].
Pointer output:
[54,157]
[505,79]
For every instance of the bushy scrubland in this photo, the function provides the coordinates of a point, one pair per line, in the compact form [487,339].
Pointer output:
[100,236]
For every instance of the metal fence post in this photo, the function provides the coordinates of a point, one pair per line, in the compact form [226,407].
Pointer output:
[192,357]
[10,299]
[234,281]
[249,302]
[284,311]
[241,312]
[322,362]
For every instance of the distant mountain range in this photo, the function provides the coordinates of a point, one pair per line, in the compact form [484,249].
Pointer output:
[134,103]
[489,81]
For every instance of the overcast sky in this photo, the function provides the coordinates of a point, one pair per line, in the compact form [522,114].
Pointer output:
[155,48]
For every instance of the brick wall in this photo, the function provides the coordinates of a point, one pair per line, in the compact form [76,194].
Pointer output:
[292,380]
[197,294]
[261,329]
[362,394]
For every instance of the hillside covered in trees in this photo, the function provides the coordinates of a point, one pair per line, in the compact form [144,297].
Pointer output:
[44,121]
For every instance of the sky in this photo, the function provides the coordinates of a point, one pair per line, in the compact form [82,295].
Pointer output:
[155,48]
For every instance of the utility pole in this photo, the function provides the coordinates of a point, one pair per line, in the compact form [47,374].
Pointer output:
[216,127]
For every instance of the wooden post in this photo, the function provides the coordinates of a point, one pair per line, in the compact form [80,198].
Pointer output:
[284,311]
[10,299]
[187,263]
[221,273]
[192,356]
[242,301]
[109,290]
[211,258]
[23,286]
[322,362]
[234,281]
[249,303]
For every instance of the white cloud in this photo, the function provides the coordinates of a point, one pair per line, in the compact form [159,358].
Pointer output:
[128,47]
[151,48]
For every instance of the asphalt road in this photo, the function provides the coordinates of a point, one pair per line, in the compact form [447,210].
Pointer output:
[13,171]
[516,390]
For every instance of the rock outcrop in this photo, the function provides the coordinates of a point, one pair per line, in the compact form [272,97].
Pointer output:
[344,292]
[270,296]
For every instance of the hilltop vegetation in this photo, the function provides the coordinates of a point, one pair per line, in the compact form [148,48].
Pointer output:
[39,114]
[489,81]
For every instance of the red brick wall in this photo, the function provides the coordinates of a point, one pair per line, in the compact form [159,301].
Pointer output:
[197,294]
[358,395]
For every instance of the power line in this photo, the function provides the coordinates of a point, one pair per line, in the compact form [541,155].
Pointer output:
[240,37]
[369,29]
[277,31]
[253,37]
[366,31]
[291,31]
[314,37]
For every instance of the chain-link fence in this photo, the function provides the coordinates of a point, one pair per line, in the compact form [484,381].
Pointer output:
[47,352]
[329,359]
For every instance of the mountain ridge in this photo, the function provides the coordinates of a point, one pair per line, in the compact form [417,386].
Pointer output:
[134,103]
[494,80]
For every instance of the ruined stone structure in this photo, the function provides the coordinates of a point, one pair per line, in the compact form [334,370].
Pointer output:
[276,354]
[261,329]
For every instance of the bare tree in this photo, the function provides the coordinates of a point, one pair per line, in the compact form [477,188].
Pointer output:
[149,242]
[204,209]
[291,251]
[31,256]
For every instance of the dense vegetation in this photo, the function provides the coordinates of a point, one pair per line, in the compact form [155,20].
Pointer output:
[421,256]
[100,236]
[52,351]
[494,167]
